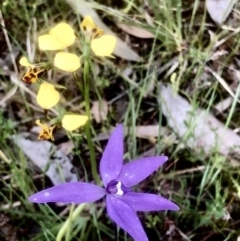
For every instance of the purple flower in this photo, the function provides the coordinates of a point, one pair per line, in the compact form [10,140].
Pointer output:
[122,203]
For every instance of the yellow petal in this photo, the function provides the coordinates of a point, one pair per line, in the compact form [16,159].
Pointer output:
[24,62]
[47,96]
[39,123]
[64,33]
[104,45]
[50,42]
[87,24]
[72,122]
[67,61]
[89,28]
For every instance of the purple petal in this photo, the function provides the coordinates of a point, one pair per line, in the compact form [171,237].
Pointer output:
[112,159]
[72,192]
[148,202]
[124,216]
[134,172]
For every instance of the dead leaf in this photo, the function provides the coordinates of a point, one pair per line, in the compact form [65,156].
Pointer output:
[219,10]
[8,231]
[8,95]
[66,147]
[99,110]
[223,82]
[197,128]
[216,55]
[149,132]
[224,104]
[44,155]
[4,157]
[122,49]
[135,31]
[150,85]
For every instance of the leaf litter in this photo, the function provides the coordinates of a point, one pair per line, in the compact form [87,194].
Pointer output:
[219,10]
[135,31]
[47,158]
[207,133]
[99,110]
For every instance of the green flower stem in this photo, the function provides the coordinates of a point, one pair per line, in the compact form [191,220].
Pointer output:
[87,104]
[67,225]
[78,153]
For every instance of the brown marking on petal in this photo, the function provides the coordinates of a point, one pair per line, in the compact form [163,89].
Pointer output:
[98,33]
[29,78]
[94,30]
[39,71]
[32,75]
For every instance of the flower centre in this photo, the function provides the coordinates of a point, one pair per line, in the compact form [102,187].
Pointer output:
[116,187]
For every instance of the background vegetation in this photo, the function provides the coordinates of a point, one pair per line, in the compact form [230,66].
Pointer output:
[185,49]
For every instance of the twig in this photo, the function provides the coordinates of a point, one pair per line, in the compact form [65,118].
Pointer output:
[3,156]
[8,43]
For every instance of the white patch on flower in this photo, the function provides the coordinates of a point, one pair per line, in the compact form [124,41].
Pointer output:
[34,199]
[120,191]
[46,194]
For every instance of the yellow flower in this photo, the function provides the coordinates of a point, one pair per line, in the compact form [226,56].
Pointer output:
[67,61]
[49,42]
[24,62]
[33,73]
[72,122]
[104,45]
[46,131]
[47,96]
[90,29]
[101,45]
[59,37]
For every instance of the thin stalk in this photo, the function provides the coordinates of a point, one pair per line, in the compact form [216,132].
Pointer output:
[86,55]
[81,161]
[87,105]
[64,228]
[69,227]
[95,222]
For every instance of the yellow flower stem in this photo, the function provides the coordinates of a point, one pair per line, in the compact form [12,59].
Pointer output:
[86,55]
[46,114]
[83,166]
